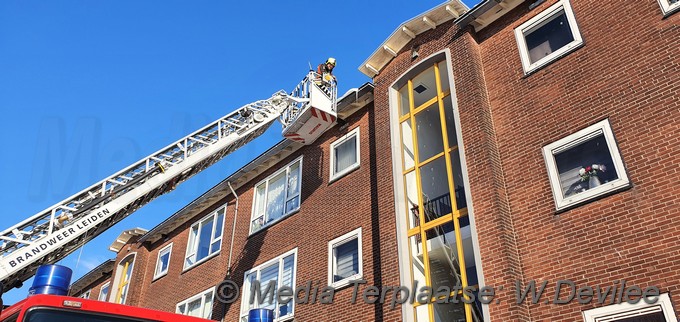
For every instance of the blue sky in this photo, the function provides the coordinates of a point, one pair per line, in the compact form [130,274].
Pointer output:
[89,87]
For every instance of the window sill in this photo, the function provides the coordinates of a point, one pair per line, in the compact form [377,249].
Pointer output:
[265,227]
[345,282]
[670,11]
[207,258]
[615,188]
[158,276]
[343,173]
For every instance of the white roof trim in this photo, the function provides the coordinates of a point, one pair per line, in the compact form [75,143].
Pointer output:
[409,30]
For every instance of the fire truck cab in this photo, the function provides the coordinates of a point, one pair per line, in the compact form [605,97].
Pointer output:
[57,308]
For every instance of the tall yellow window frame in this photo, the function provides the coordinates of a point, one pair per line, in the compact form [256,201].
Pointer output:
[421,221]
[124,280]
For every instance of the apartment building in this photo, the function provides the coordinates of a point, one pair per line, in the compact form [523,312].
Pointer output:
[511,142]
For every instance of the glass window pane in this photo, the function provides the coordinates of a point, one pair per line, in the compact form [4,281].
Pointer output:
[345,154]
[417,259]
[407,144]
[247,305]
[412,199]
[424,87]
[444,75]
[275,197]
[446,312]
[421,313]
[259,199]
[292,204]
[429,133]
[458,183]
[585,166]
[450,122]
[207,306]
[435,187]
[194,308]
[548,37]
[267,275]
[443,257]
[203,249]
[217,233]
[403,100]
[346,260]
[294,180]
[287,279]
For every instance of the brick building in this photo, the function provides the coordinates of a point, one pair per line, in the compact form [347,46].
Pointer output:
[512,142]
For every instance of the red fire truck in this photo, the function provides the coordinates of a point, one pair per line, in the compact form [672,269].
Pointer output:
[56,308]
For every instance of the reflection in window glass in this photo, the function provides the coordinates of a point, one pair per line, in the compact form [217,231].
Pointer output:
[424,87]
[407,144]
[412,199]
[403,100]
[585,166]
[548,37]
[444,76]
[435,187]
[429,133]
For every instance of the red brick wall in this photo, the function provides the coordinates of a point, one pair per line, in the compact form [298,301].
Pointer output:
[95,288]
[363,198]
[625,72]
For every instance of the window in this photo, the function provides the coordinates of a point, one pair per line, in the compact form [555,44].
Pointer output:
[584,165]
[276,196]
[199,305]
[434,223]
[345,154]
[345,259]
[124,273]
[280,271]
[86,295]
[661,311]
[205,238]
[669,6]
[163,261]
[104,292]
[550,35]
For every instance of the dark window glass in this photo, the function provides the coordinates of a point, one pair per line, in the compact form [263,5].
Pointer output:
[548,37]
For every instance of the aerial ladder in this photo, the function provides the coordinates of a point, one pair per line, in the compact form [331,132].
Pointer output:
[50,235]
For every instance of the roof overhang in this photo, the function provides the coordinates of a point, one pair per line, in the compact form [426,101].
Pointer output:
[486,12]
[352,101]
[125,237]
[480,16]
[407,31]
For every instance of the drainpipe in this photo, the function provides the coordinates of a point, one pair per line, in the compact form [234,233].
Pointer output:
[233,230]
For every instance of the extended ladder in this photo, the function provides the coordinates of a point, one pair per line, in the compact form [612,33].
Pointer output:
[57,231]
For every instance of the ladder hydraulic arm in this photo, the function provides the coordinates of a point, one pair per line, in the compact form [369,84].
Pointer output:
[57,231]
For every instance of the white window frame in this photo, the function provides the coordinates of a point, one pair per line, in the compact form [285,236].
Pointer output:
[245,298]
[86,295]
[200,296]
[101,290]
[603,127]
[537,21]
[625,309]
[668,8]
[352,134]
[286,169]
[354,234]
[193,249]
[168,249]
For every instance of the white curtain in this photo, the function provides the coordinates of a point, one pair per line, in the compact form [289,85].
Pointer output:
[276,197]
